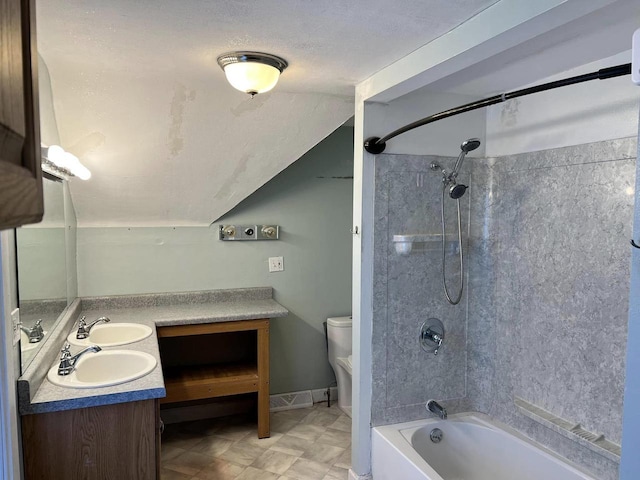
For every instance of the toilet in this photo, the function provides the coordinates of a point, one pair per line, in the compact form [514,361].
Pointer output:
[340,349]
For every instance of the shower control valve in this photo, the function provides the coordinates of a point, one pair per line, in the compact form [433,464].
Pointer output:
[431,335]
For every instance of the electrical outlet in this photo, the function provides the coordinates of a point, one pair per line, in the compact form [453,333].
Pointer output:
[276,264]
[15,325]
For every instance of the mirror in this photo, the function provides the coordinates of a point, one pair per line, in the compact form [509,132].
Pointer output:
[46,251]
[42,254]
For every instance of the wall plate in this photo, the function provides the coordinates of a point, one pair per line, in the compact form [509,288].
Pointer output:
[248,232]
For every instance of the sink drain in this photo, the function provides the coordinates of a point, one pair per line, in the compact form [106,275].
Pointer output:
[436,435]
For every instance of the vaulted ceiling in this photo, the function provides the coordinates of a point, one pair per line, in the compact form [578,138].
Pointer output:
[138,95]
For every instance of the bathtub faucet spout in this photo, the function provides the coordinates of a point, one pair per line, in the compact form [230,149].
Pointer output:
[435,407]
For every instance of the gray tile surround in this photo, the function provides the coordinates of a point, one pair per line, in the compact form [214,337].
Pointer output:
[548,273]
[408,290]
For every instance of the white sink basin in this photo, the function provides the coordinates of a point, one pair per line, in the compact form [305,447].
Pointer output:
[112,335]
[104,369]
[25,346]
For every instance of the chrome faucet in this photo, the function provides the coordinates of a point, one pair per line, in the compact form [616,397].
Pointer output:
[68,361]
[35,333]
[435,407]
[84,329]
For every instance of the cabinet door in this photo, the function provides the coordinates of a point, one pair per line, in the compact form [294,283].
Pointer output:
[108,442]
[20,171]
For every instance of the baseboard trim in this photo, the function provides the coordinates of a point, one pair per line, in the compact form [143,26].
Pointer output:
[354,476]
[302,399]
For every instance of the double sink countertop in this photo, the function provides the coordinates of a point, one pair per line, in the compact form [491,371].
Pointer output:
[37,395]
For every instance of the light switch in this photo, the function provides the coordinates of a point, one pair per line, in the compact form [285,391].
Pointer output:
[276,264]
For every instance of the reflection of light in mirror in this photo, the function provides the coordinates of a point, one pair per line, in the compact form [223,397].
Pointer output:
[630,191]
[58,162]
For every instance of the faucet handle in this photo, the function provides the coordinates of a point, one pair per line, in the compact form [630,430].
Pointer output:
[432,335]
[65,352]
[82,321]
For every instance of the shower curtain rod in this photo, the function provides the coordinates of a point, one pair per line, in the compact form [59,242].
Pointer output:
[377,145]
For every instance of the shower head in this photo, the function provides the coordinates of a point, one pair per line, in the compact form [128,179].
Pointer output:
[470,145]
[457,190]
[466,147]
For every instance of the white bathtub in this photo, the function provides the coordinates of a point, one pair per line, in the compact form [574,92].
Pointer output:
[473,447]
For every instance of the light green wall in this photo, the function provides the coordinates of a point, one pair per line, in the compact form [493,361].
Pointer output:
[311,201]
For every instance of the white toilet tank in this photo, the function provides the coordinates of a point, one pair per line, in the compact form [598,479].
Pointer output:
[340,348]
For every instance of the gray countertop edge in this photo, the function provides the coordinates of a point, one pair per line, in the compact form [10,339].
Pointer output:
[95,401]
[36,395]
[229,318]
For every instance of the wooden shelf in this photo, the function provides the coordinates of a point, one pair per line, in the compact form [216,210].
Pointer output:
[209,381]
[206,367]
[208,328]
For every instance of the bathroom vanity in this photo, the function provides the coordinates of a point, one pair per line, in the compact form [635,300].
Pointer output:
[108,441]
[207,344]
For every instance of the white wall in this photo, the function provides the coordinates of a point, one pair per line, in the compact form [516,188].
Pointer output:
[440,138]
[48,124]
[574,115]
[172,149]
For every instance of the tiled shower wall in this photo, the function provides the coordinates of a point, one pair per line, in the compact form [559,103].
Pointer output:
[545,314]
[408,290]
[549,289]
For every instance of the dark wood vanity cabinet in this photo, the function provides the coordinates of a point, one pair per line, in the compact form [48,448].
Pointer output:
[20,171]
[120,441]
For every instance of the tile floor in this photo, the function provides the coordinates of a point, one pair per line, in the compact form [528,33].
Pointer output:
[305,444]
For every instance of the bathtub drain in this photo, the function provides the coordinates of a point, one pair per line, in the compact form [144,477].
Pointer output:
[436,435]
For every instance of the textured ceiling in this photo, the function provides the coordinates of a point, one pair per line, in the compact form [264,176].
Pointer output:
[139,97]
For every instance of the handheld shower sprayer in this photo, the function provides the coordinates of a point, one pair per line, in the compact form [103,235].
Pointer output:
[456,191]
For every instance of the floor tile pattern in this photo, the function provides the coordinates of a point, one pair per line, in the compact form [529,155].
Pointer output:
[306,444]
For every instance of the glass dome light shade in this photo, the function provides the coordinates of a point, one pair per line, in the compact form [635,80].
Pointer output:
[252,77]
[252,72]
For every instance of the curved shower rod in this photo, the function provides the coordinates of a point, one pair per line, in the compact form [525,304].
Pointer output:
[377,145]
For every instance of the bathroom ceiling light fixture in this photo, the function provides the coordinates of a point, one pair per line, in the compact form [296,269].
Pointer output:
[252,72]
[56,161]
